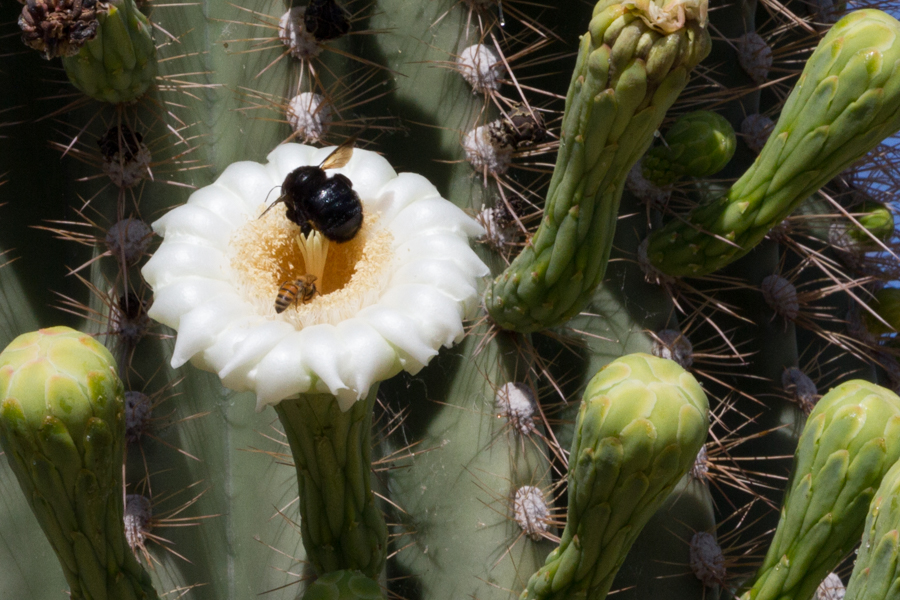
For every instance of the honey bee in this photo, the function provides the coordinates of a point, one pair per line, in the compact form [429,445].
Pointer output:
[302,290]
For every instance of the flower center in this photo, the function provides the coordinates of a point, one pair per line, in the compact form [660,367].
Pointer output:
[270,251]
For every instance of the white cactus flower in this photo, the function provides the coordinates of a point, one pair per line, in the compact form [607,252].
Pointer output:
[388,299]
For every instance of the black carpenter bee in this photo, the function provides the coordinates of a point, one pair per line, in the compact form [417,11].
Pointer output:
[326,20]
[299,290]
[327,204]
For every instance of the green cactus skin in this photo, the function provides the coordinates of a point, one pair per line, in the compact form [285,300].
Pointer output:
[456,493]
[641,423]
[62,429]
[626,78]
[876,573]
[846,101]
[119,64]
[343,585]
[699,144]
[851,439]
[341,525]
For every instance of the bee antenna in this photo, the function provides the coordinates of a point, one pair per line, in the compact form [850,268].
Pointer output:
[268,208]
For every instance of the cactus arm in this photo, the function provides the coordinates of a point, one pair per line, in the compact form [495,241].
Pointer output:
[845,103]
[614,105]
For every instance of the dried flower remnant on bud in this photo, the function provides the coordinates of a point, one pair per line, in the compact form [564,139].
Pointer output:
[707,560]
[126,158]
[781,295]
[129,239]
[515,402]
[832,588]
[138,409]
[754,56]
[310,116]
[531,512]
[796,383]
[481,67]
[59,27]
[674,345]
[138,513]
[292,33]
[756,130]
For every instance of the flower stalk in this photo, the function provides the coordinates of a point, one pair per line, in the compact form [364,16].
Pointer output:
[341,525]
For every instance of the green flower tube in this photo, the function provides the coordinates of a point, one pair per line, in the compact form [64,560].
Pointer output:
[846,101]
[851,439]
[699,144]
[876,574]
[632,64]
[341,526]
[641,423]
[62,426]
[119,64]
[343,585]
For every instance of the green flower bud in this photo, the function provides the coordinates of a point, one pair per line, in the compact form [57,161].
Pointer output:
[851,439]
[62,427]
[699,144]
[118,65]
[343,585]
[876,573]
[641,424]
[876,219]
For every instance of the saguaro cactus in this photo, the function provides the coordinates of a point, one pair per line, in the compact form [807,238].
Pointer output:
[472,421]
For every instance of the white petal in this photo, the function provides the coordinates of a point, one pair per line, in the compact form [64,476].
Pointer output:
[176,260]
[401,332]
[327,357]
[442,274]
[369,172]
[170,302]
[220,201]
[198,329]
[287,157]
[249,344]
[280,374]
[442,245]
[399,193]
[371,360]
[433,214]
[195,223]
[249,181]
[438,318]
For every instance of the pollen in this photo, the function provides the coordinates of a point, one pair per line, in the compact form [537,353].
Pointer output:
[265,253]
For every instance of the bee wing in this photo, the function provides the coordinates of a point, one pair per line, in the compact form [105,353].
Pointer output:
[340,156]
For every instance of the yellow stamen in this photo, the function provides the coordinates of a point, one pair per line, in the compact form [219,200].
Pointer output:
[314,248]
